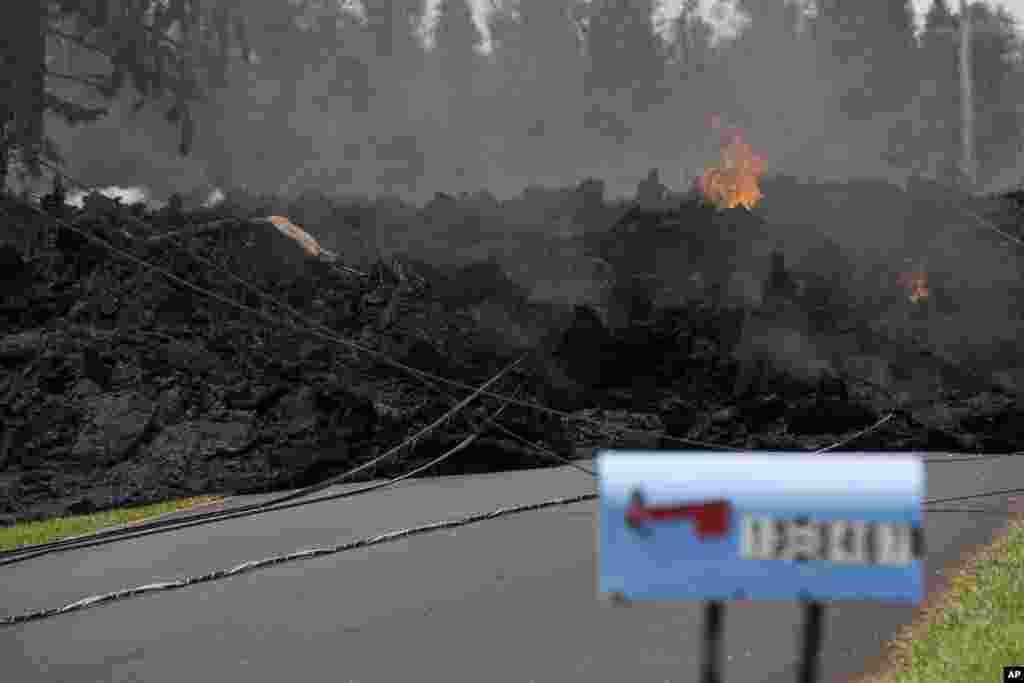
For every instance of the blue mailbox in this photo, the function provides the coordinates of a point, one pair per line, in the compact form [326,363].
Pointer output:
[694,526]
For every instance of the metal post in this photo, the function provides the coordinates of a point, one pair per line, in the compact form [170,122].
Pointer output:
[712,664]
[810,654]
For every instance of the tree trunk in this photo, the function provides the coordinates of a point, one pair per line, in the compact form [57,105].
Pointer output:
[966,97]
[4,162]
[22,88]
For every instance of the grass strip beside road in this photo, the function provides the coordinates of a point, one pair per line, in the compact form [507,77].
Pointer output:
[975,629]
[44,531]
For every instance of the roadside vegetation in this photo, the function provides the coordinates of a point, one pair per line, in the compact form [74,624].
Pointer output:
[976,629]
[32,533]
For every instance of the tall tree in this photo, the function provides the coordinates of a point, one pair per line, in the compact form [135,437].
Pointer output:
[549,39]
[777,17]
[157,47]
[865,50]
[456,38]
[694,80]
[625,53]
[690,47]
[995,48]
[938,121]
[22,86]
[312,76]
[541,61]
[393,25]
[994,55]
[505,29]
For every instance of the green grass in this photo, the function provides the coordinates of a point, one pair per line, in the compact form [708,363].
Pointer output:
[977,627]
[31,533]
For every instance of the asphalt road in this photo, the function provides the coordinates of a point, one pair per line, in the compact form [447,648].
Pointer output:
[511,599]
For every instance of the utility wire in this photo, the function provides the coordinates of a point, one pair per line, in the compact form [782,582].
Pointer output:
[105,537]
[974,496]
[411,440]
[984,222]
[976,511]
[304,492]
[329,335]
[43,548]
[856,435]
[352,345]
[361,543]
[115,596]
[281,559]
[978,457]
[32,551]
[109,536]
[112,535]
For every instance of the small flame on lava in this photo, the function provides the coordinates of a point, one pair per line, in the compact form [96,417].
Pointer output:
[734,182]
[916,283]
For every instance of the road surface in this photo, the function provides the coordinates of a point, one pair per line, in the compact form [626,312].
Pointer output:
[511,599]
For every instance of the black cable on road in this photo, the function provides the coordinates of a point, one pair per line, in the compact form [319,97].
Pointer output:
[973,496]
[975,511]
[96,600]
[34,551]
[980,457]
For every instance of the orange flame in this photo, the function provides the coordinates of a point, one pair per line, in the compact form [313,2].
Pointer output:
[916,282]
[734,182]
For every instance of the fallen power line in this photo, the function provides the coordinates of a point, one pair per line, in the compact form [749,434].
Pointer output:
[25,553]
[159,526]
[281,559]
[115,596]
[101,538]
[312,327]
[327,334]
[974,496]
[105,537]
[976,511]
[856,436]
[112,535]
[978,457]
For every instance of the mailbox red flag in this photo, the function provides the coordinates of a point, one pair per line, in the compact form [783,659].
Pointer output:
[710,518]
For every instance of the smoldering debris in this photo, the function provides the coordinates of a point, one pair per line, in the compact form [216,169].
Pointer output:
[737,327]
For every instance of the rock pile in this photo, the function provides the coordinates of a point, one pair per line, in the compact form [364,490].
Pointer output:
[120,385]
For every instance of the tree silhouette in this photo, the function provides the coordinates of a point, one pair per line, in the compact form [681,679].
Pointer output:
[456,39]
[167,51]
[995,49]
[539,55]
[690,47]
[939,97]
[393,25]
[866,50]
[994,63]
[625,53]
[550,41]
